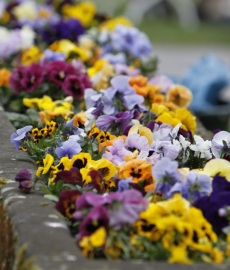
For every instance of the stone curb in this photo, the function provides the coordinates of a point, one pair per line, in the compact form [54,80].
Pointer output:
[37,224]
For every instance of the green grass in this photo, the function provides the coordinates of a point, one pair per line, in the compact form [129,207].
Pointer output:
[169,31]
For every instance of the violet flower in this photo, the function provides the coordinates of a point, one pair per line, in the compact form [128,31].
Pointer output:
[49,56]
[142,46]
[166,174]
[23,175]
[123,184]
[24,178]
[69,148]
[219,198]
[194,187]
[122,69]
[33,77]
[26,186]
[70,29]
[19,135]
[91,98]
[75,85]
[117,152]
[119,58]
[119,120]
[136,142]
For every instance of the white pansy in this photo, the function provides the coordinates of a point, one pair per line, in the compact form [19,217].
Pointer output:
[28,36]
[202,148]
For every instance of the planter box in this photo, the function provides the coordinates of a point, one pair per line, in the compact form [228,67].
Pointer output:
[37,224]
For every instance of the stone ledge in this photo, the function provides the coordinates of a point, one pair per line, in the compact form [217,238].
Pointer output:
[37,224]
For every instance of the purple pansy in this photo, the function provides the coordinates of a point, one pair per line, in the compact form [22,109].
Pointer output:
[19,135]
[33,77]
[117,152]
[136,142]
[24,178]
[120,120]
[58,71]
[23,175]
[119,58]
[15,79]
[219,198]
[75,85]
[166,174]
[194,187]
[49,56]
[69,148]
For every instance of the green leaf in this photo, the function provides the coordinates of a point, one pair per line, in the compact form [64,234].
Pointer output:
[70,186]
[16,105]
[51,197]
[33,114]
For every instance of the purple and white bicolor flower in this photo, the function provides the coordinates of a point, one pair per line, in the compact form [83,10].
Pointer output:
[221,144]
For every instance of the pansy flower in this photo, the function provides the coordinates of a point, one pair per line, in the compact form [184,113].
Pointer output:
[19,135]
[57,72]
[66,203]
[105,167]
[80,160]
[137,169]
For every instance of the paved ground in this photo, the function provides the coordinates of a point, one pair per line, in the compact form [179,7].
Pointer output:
[175,59]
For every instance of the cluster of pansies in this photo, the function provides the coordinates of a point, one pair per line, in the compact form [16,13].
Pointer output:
[115,146]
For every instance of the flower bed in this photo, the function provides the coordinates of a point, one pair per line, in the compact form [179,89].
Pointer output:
[115,146]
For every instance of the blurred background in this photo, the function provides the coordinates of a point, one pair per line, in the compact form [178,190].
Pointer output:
[191,39]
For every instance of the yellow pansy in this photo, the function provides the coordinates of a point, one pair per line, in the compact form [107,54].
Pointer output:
[186,118]
[105,167]
[80,160]
[45,103]
[167,118]
[158,109]
[69,48]
[179,255]
[47,163]
[84,12]
[31,55]
[98,65]
[217,256]
[218,166]
[97,239]
[111,24]
[104,136]
[142,131]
